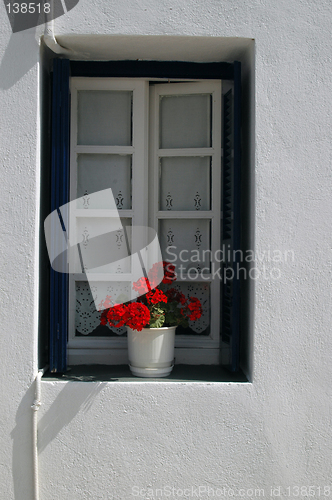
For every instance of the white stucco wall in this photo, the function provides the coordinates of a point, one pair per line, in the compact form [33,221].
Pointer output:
[99,440]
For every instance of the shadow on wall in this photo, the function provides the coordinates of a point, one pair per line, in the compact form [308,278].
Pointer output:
[20,56]
[22,448]
[49,426]
[55,418]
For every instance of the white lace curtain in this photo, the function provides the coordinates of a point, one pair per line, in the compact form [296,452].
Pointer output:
[87,318]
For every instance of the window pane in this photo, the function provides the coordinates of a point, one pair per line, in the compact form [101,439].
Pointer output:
[103,247]
[185,121]
[87,318]
[104,118]
[185,183]
[186,243]
[96,172]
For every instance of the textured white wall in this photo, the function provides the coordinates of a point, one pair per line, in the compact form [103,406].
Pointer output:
[19,159]
[98,440]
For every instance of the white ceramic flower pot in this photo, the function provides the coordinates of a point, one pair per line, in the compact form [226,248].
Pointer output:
[151,351]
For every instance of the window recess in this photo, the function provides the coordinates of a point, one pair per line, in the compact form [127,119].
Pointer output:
[159,147]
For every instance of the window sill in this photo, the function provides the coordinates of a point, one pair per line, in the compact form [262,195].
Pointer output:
[121,373]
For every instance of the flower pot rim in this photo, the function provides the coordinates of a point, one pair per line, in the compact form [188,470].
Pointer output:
[148,328]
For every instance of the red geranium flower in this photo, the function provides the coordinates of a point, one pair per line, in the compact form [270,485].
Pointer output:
[103,317]
[137,316]
[156,296]
[116,315]
[142,286]
[156,274]
[105,305]
[169,273]
[176,296]
[195,309]
[154,306]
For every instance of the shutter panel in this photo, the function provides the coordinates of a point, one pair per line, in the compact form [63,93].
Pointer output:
[231,218]
[59,197]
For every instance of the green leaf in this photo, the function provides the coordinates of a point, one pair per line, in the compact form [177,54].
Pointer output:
[157,318]
[157,321]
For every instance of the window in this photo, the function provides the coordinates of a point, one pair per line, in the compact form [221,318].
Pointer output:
[164,147]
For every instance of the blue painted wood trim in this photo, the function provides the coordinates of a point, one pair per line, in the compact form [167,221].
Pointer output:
[150,69]
[59,197]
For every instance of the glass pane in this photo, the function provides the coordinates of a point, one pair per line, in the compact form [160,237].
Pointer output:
[185,121]
[87,318]
[202,292]
[185,183]
[186,243]
[99,172]
[103,249]
[104,118]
